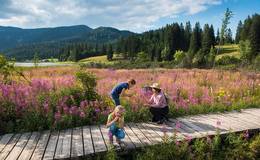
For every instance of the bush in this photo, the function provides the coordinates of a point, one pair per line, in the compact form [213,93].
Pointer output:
[246,51]
[88,82]
[179,56]
[257,62]
[226,60]
[142,57]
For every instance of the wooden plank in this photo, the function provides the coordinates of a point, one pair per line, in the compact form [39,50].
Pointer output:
[104,131]
[77,149]
[64,144]
[139,134]
[257,118]
[51,146]
[248,119]
[157,129]
[29,148]
[224,125]
[200,126]
[254,110]
[128,143]
[18,148]
[87,141]
[10,145]
[4,140]
[41,145]
[241,121]
[187,130]
[177,131]
[146,133]
[132,136]
[211,124]
[98,141]
[233,123]
[252,113]
[154,137]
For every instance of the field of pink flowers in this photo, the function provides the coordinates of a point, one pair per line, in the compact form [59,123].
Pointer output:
[54,98]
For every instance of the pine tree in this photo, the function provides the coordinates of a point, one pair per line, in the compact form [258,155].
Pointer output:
[218,37]
[103,50]
[195,41]
[109,52]
[238,33]
[255,36]
[187,35]
[206,40]
[246,28]
[173,40]
[212,36]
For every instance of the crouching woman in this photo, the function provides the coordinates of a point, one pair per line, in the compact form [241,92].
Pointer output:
[158,105]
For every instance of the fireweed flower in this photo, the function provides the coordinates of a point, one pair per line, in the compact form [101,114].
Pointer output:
[82,114]
[188,138]
[209,140]
[57,116]
[46,107]
[97,110]
[246,134]
[73,110]
[66,109]
[178,125]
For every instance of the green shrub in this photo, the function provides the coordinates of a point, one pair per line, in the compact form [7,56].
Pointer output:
[257,62]
[179,56]
[226,60]
[246,51]
[88,83]
[255,146]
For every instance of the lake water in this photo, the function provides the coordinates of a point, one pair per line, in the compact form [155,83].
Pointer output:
[43,64]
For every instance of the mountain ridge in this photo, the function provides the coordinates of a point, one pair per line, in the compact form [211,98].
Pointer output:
[14,38]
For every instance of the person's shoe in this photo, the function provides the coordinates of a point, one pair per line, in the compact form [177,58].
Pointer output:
[162,121]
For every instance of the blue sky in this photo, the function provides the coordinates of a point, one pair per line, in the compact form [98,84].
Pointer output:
[133,15]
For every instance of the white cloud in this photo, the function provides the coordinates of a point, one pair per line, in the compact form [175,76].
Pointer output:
[136,15]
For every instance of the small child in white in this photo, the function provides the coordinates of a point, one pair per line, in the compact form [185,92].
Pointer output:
[115,123]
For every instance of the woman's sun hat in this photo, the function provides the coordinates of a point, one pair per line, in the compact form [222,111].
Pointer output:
[155,85]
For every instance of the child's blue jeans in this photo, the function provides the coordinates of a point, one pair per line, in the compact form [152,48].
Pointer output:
[115,131]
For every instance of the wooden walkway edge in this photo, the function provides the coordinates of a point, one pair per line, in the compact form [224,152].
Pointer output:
[89,140]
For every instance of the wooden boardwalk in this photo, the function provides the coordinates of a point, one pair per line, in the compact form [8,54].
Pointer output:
[90,140]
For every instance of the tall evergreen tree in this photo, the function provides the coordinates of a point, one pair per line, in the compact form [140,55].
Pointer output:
[206,40]
[246,28]
[109,52]
[173,40]
[103,50]
[255,35]
[195,41]
[218,37]
[187,35]
[238,32]
[212,36]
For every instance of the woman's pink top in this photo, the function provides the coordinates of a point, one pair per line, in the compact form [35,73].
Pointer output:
[158,100]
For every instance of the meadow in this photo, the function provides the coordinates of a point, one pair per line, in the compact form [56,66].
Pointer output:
[62,97]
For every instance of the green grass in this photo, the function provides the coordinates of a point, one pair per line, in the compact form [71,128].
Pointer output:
[228,50]
[101,59]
